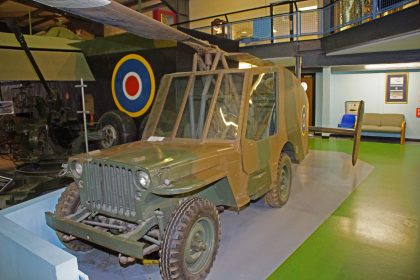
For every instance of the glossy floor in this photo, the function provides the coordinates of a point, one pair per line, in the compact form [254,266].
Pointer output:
[375,233]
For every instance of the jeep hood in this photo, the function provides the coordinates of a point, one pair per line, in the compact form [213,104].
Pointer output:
[166,155]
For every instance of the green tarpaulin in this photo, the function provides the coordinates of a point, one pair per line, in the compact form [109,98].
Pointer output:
[57,59]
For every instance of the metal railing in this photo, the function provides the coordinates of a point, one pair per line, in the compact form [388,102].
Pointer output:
[299,24]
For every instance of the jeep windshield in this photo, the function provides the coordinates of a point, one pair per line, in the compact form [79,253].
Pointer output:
[198,106]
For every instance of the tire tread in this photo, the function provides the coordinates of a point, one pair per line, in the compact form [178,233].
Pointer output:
[171,252]
[272,198]
[66,205]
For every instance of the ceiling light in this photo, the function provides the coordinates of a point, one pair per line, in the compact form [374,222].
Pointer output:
[308,8]
[392,66]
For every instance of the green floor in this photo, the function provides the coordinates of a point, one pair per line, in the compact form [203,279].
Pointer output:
[375,233]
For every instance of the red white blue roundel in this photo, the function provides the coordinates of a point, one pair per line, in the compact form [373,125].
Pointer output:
[133,85]
[304,120]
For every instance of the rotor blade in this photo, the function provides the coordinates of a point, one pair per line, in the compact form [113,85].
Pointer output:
[358,132]
[118,15]
[248,58]
[340,131]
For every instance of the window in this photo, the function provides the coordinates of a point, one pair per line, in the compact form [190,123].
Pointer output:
[262,117]
[171,108]
[196,109]
[225,118]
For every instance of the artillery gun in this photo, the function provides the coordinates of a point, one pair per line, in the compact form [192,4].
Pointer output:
[38,134]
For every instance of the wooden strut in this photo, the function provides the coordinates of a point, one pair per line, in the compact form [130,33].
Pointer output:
[209,62]
[195,62]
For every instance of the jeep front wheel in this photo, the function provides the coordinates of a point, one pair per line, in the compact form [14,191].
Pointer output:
[68,204]
[279,194]
[191,241]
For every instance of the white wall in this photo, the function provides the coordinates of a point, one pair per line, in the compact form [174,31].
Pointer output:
[370,87]
[318,99]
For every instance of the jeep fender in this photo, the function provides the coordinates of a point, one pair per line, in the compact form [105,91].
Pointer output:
[211,184]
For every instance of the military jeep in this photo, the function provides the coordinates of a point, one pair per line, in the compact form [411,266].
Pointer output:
[214,140]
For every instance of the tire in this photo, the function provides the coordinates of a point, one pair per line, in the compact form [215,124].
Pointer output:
[197,218]
[279,194]
[117,127]
[67,204]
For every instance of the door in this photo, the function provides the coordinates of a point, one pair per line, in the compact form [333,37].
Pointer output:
[308,82]
[261,131]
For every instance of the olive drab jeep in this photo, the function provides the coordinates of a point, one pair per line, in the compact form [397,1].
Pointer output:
[214,139]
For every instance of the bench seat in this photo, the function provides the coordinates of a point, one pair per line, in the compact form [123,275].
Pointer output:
[385,123]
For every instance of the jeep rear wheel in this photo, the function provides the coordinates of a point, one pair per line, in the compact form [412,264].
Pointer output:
[191,241]
[279,195]
[68,204]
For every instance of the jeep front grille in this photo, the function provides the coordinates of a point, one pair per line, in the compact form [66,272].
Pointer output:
[109,188]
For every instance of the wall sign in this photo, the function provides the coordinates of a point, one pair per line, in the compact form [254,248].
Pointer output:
[165,16]
[418,112]
[352,107]
[6,108]
[133,85]
[396,88]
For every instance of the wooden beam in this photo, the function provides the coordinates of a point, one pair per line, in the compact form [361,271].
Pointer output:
[33,15]
[44,20]
[340,131]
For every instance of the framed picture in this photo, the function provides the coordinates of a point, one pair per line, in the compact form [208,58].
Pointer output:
[352,107]
[396,88]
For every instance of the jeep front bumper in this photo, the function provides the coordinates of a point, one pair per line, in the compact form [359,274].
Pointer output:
[108,240]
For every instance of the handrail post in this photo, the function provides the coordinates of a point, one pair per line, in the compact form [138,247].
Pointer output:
[291,22]
[229,30]
[374,8]
[272,23]
[299,24]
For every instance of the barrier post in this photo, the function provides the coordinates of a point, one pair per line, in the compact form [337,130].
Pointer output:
[374,8]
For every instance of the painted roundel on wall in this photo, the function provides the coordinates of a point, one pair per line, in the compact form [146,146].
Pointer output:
[133,85]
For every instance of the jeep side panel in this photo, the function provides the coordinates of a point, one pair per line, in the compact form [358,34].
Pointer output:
[296,114]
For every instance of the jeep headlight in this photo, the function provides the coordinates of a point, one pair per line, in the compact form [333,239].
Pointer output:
[143,179]
[76,168]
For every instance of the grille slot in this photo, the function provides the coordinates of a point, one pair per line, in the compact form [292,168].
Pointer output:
[110,188]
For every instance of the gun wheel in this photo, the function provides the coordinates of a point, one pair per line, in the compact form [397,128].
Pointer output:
[68,204]
[117,128]
[191,241]
[279,195]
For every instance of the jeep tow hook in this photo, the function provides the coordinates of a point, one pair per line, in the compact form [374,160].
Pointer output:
[68,238]
[125,259]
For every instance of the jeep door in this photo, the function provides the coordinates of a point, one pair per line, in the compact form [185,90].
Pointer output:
[260,131]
